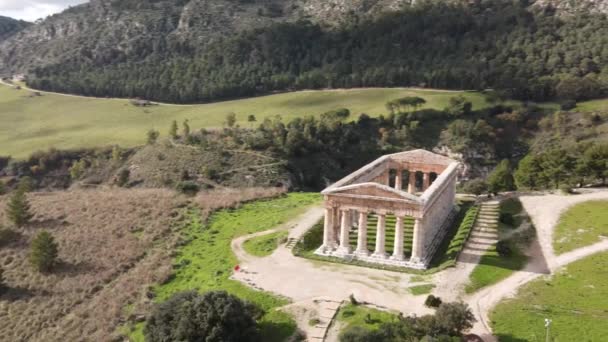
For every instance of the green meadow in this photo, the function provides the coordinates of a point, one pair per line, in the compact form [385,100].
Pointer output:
[31,123]
[206,261]
[582,225]
[575,299]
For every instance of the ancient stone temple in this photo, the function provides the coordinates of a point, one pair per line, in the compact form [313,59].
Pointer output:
[394,210]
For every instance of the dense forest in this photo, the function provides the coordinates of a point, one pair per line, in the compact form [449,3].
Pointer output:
[10,26]
[529,53]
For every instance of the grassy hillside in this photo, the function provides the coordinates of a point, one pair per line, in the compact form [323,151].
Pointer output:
[582,225]
[30,123]
[575,300]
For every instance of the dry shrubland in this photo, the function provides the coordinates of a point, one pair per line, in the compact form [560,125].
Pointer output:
[114,245]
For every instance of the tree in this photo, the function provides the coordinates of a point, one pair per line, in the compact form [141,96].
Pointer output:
[501,178]
[594,162]
[77,169]
[529,173]
[230,120]
[215,316]
[43,252]
[116,154]
[459,106]
[26,184]
[2,284]
[251,118]
[454,318]
[18,208]
[475,186]
[123,177]
[152,136]
[173,130]
[186,129]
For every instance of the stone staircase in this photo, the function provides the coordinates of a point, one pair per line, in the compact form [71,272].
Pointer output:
[327,311]
[291,243]
[485,231]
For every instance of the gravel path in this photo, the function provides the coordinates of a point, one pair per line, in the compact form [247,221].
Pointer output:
[544,211]
[305,280]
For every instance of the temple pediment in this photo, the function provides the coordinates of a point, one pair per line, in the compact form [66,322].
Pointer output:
[372,190]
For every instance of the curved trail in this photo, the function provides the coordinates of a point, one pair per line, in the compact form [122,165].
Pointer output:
[302,279]
[544,211]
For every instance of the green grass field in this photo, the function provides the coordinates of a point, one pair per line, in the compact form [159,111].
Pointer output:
[421,289]
[264,245]
[575,299]
[361,316]
[31,123]
[580,226]
[206,261]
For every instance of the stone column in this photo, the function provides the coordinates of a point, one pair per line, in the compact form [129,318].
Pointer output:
[344,233]
[379,252]
[426,180]
[398,248]
[362,235]
[328,230]
[387,177]
[411,186]
[418,241]
[399,180]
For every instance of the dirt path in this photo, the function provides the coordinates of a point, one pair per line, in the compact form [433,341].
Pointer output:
[544,211]
[305,280]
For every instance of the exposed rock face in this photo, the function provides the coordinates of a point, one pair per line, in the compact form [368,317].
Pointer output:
[103,29]
[574,6]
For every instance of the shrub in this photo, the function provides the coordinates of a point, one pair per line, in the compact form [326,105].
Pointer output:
[188,187]
[2,284]
[26,184]
[568,104]
[213,317]
[476,187]
[503,249]
[43,253]
[432,302]
[454,318]
[123,177]
[353,300]
[6,235]
[18,208]
[2,188]
[566,189]
[507,218]
[152,136]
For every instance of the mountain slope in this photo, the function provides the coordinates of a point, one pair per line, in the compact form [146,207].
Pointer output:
[10,27]
[204,50]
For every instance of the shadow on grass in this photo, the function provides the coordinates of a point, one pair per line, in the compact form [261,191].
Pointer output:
[13,294]
[72,270]
[276,331]
[509,338]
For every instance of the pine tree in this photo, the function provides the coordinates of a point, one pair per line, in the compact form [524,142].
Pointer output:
[2,285]
[18,208]
[186,129]
[43,253]
[173,130]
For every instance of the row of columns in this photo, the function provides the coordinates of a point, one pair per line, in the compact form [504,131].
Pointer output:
[411,185]
[361,250]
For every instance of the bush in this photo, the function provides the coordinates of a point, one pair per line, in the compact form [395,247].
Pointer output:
[2,284]
[18,208]
[432,302]
[43,253]
[454,318]
[6,236]
[568,104]
[123,177]
[3,189]
[566,189]
[507,218]
[188,188]
[476,187]
[152,136]
[503,249]
[353,300]
[215,316]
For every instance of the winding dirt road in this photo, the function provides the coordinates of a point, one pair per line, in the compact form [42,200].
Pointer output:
[302,279]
